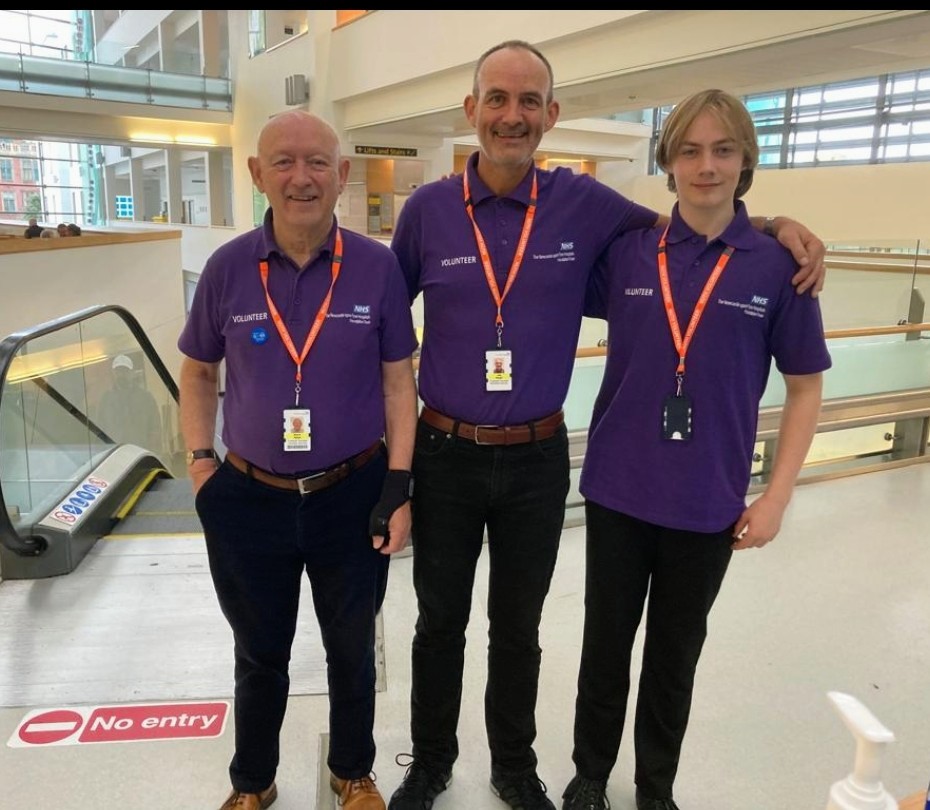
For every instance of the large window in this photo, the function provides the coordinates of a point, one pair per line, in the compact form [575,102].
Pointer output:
[883,119]
[39,33]
[49,179]
[256,32]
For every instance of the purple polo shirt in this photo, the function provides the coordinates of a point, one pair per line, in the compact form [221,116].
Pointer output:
[369,322]
[752,316]
[576,218]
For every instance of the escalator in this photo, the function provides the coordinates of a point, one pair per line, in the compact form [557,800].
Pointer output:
[72,467]
[164,507]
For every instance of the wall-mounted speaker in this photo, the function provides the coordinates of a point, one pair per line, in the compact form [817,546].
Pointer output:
[296,90]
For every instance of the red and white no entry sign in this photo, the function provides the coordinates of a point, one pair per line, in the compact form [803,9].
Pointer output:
[130,723]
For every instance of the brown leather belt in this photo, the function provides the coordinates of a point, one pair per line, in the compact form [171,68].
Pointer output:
[309,483]
[494,434]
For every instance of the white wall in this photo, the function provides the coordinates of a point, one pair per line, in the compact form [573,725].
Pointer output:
[144,277]
[197,242]
[843,205]
[399,50]
[852,204]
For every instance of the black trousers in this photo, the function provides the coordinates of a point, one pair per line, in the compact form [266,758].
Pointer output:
[682,573]
[260,541]
[518,493]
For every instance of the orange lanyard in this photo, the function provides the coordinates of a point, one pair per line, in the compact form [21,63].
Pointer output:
[681,346]
[318,321]
[486,257]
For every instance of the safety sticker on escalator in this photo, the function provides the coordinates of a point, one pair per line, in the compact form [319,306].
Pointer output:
[78,501]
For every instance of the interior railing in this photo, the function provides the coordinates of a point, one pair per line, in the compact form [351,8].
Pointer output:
[879,284]
[61,77]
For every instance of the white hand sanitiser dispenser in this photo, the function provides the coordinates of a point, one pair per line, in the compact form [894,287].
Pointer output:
[862,789]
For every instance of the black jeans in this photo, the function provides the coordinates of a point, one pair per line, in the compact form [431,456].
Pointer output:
[682,572]
[259,542]
[518,493]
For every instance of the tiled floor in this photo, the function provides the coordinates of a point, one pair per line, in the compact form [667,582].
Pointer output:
[840,602]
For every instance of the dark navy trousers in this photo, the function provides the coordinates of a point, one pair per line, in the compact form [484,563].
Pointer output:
[260,541]
[517,493]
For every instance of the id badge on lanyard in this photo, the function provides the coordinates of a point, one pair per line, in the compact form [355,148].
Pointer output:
[677,409]
[498,365]
[296,429]
[498,362]
[296,421]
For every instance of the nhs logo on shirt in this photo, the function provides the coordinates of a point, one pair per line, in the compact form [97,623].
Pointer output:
[756,307]
[564,251]
[359,314]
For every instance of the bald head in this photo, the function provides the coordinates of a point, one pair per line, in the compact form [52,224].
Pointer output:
[297,122]
[300,169]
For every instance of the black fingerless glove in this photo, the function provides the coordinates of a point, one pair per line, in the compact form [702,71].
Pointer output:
[397,490]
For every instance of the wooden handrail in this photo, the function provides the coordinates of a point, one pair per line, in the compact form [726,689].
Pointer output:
[86,239]
[865,331]
[870,331]
[590,351]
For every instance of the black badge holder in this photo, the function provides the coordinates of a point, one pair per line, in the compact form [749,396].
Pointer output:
[676,418]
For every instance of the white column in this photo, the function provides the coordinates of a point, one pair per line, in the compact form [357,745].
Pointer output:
[136,183]
[217,189]
[210,44]
[173,179]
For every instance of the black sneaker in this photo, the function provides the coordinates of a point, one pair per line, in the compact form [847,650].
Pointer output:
[643,802]
[585,794]
[522,791]
[420,787]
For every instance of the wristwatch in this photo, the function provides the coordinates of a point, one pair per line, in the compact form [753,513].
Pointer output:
[194,455]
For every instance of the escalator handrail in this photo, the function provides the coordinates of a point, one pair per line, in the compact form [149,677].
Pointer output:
[10,347]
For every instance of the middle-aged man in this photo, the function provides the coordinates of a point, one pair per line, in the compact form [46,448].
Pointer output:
[502,255]
[315,328]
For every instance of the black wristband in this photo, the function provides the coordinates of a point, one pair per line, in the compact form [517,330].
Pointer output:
[395,492]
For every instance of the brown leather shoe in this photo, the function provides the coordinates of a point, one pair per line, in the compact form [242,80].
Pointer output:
[251,801]
[357,794]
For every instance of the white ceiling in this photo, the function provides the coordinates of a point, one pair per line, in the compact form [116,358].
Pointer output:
[889,46]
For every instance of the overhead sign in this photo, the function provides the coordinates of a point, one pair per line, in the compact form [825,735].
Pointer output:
[131,723]
[385,151]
